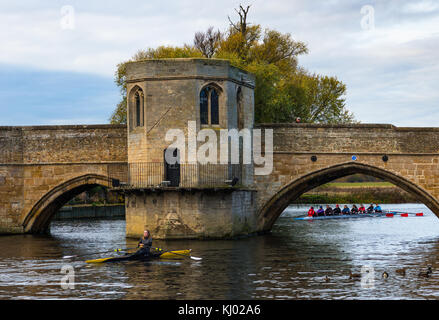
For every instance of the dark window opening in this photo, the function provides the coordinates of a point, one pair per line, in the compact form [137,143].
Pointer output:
[209,106]
[214,112]
[138,113]
[204,108]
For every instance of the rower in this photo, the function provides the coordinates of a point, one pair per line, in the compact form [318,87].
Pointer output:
[346,210]
[321,212]
[328,211]
[311,212]
[378,209]
[362,209]
[337,210]
[144,244]
[370,208]
[354,209]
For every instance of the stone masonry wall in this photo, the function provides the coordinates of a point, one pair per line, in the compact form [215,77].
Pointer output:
[413,153]
[34,160]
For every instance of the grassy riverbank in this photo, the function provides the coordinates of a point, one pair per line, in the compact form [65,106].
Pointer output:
[361,192]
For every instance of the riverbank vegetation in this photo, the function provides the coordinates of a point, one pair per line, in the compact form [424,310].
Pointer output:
[284,90]
[356,192]
[97,196]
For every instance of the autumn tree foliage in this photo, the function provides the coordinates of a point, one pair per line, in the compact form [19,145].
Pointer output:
[284,90]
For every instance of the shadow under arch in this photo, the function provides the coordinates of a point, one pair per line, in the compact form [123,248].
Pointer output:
[38,219]
[273,208]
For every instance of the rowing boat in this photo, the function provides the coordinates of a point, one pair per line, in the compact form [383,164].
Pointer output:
[360,215]
[154,255]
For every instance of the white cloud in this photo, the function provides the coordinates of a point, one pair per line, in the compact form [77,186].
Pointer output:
[420,7]
[391,73]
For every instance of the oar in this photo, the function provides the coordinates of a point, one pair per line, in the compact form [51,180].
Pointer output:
[93,253]
[179,254]
[392,211]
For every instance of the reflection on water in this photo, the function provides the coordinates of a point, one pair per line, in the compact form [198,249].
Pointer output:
[298,260]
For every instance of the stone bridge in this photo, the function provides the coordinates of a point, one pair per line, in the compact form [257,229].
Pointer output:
[41,168]
[309,155]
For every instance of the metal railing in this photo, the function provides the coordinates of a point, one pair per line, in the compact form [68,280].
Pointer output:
[157,175]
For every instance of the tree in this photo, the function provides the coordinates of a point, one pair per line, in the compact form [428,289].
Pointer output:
[119,115]
[284,90]
[208,42]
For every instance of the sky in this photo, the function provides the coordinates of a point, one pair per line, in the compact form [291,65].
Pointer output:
[58,58]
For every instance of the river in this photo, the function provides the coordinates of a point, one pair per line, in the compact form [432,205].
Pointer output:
[297,260]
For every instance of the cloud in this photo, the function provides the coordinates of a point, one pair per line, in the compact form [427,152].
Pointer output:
[391,71]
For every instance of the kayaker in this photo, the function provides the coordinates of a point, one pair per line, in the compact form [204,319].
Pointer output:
[370,208]
[321,212]
[346,210]
[144,245]
[328,211]
[337,210]
[361,209]
[354,209]
[378,208]
[311,212]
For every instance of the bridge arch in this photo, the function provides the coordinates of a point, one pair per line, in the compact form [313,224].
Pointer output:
[38,219]
[273,208]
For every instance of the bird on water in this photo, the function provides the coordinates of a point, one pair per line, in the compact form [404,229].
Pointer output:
[400,271]
[426,274]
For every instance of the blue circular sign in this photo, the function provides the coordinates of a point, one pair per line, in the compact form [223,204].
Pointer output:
[354,158]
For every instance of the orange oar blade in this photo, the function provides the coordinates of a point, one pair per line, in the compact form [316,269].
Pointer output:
[420,214]
[404,214]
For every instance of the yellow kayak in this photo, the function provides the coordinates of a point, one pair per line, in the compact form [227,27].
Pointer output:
[154,255]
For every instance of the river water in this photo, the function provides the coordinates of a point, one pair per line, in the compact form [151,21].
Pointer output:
[298,260]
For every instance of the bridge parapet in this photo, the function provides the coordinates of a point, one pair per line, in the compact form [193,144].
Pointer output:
[35,160]
[353,138]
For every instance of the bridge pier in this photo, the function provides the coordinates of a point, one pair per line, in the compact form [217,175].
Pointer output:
[181,213]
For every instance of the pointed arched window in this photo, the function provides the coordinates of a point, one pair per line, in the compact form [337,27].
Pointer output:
[136,110]
[209,105]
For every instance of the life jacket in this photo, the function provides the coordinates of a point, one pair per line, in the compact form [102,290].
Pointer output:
[311,212]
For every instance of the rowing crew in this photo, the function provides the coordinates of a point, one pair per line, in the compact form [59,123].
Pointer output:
[345,211]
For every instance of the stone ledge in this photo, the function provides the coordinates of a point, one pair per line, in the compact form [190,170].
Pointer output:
[162,189]
[322,125]
[64,127]
[346,126]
